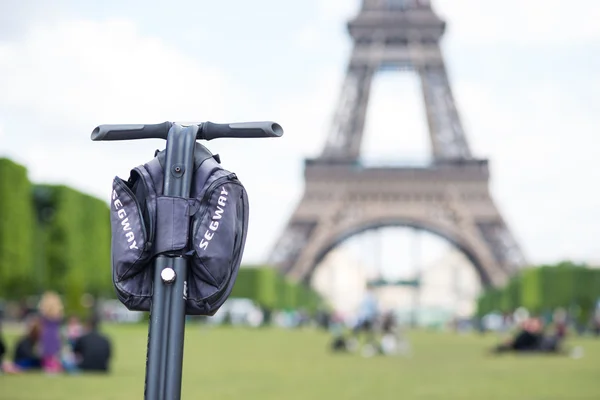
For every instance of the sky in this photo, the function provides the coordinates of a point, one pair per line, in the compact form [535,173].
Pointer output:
[524,76]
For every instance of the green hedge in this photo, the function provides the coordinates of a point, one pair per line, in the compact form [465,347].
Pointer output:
[75,229]
[270,289]
[510,296]
[259,284]
[545,288]
[51,238]
[17,223]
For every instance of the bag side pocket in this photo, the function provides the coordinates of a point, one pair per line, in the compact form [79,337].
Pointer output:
[218,238]
[129,242]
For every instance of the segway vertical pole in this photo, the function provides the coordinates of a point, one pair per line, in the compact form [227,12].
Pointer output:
[179,156]
[167,321]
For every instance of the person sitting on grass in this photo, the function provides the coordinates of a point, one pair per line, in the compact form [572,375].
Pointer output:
[27,351]
[92,349]
[528,339]
[532,339]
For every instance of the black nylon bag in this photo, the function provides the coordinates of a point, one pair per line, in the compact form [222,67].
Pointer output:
[209,228]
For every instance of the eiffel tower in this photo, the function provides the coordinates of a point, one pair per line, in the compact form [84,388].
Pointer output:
[450,197]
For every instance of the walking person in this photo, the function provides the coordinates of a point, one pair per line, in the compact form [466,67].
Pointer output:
[368,312]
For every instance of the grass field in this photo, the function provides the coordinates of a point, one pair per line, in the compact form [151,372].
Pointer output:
[237,363]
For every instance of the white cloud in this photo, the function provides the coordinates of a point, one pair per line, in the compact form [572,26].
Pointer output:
[337,9]
[307,37]
[521,23]
[88,71]
[329,19]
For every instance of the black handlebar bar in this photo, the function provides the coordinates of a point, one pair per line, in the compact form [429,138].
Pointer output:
[130,131]
[206,131]
[209,130]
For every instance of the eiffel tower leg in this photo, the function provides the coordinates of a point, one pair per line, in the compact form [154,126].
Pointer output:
[483,224]
[345,137]
[303,229]
[289,247]
[502,244]
[447,137]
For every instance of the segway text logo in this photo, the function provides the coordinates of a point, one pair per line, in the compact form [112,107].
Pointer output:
[214,225]
[122,214]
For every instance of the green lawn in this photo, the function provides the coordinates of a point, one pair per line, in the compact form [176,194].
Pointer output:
[230,363]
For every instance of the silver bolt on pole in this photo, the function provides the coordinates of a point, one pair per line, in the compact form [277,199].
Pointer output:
[168,275]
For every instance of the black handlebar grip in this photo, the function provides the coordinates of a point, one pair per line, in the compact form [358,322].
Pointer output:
[264,129]
[131,132]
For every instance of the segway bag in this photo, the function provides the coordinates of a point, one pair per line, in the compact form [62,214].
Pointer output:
[208,228]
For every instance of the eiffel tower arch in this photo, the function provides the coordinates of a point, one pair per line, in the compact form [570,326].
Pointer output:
[450,197]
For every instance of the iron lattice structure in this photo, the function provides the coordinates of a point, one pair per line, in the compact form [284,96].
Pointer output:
[450,197]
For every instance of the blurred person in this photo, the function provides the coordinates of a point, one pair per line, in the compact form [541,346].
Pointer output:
[337,327]
[51,313]
[596,323]
[5,365]
[27,353]
[560,323]
[2,346]
[368,312]
[532,339]
[92,350]
[2,351]
[389,343]
[73,330]
[393,340]
[528,338]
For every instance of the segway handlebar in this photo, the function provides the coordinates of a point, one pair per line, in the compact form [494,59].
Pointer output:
[206,131]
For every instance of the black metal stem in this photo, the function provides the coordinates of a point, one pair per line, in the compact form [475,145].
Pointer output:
[180,153]
[167,322]
[176,332]
[154,362]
